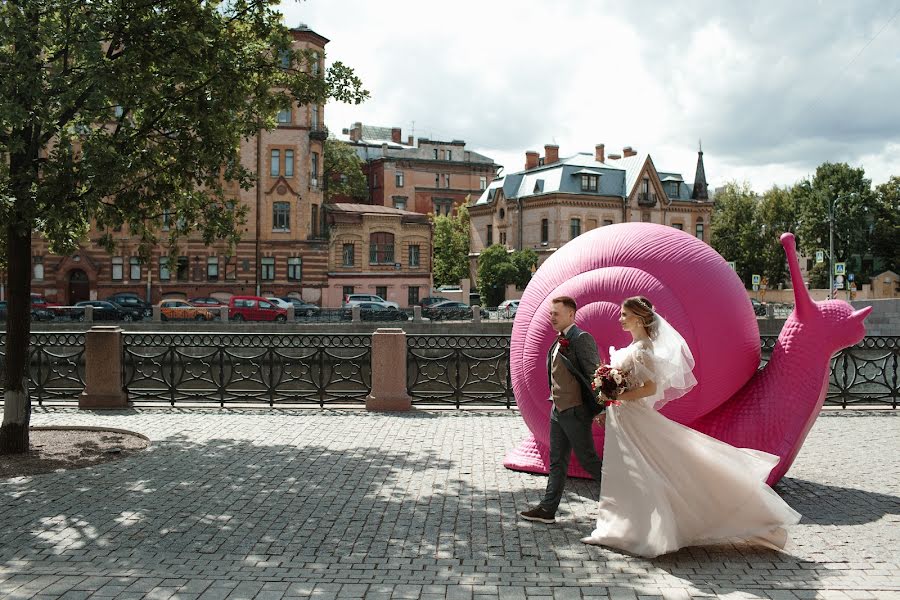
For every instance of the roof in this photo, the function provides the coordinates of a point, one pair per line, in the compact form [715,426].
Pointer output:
[373,209]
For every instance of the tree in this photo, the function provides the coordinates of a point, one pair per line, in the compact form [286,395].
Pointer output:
[114,111]
[523,262]
[735,232]
[775,214]
[885,235]
[495,270]
[852,215]
[450,240]
[343,172]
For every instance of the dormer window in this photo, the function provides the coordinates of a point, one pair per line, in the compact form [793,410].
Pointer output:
[589,183]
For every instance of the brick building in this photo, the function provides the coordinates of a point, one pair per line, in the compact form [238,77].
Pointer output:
[283,249]
[556,199]
[422,175]
[378,250]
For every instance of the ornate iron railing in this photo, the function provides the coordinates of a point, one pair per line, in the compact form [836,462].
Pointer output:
[271,367]
[864,374]
[459,370]
[56,370]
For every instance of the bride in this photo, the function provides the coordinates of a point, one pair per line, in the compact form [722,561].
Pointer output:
[666,486]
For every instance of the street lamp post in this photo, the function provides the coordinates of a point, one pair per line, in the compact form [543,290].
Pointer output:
[831,208]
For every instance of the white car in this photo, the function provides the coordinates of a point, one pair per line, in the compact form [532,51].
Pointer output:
[280,303]
[351,300]
[508,308]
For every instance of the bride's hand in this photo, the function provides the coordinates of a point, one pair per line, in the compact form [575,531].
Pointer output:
[601,419]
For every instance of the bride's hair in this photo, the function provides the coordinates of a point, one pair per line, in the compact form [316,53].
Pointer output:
[643,309]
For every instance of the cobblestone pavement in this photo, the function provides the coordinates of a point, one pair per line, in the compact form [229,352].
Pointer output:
[268,504]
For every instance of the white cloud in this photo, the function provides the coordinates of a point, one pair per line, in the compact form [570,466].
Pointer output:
[766,85]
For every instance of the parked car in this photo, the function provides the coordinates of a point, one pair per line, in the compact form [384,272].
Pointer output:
[254,308]
[374,311]
[38,301]
[133,304]
[182,310]
[301,308]
[429,300]
[508,308]
[206,302]
[458,311]
[351,299]
[37,314]
[759,308]
[103,311]
[279,302]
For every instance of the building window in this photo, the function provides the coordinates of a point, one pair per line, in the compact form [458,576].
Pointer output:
[400,203]
[591,224]
[284,116]
[503,238]
[295,268]
[314,169]
[589,183]
[135,268]
[281,216]
[166,219]
[435,154]
[349,254]
[314,220]
[381,248]
[381,291]
[230,268]
[412,297]
[545,231]
[699,231]
[449,154]
[645,217]
[268,268]
[398,178]
[437,179]
[447,181]
[288,163]
[164,273]
[117,268]
[315,64]
[490,235]
[182,269]
[482,183]
[212,268]
[39,267]
[347,290]
[414,255]
[645,187]
[285,57]
[442,206]
[275,168]
[314,118]
[678,226]
[574,228]
[607,222]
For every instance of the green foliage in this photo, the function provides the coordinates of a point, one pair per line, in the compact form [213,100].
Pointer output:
[735,230]
[498,267]
[343,172]
[450,240]
[885,235]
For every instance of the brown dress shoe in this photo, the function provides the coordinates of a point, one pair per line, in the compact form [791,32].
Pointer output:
[539,514]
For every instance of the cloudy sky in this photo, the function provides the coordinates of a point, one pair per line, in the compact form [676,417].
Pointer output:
[771,88]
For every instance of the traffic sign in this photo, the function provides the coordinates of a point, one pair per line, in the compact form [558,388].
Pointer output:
[850,277]
[820,256]
[840,268]
[756,280]
[755,287]
[733,265]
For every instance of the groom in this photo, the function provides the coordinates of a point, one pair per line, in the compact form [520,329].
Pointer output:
[570,365]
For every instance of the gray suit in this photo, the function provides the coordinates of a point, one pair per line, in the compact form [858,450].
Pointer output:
[570,420]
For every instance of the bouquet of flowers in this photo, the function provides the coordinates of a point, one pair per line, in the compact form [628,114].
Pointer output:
[610,381]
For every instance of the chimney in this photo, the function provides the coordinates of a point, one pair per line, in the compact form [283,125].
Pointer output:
[395,135]
[551,154]
[356,132]
[628,151]
[531,159]
[600,153]
[409,140]
[615,156]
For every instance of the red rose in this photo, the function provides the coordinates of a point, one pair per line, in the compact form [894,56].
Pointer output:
[563,342]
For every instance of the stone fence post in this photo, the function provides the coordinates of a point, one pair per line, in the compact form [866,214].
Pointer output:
[224,313]
[417,313]
[104,373]
[355,313]
[156,315]
[290,314]
[388,371]
[476,314]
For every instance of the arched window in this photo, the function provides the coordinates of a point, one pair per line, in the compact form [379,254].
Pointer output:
[381,248]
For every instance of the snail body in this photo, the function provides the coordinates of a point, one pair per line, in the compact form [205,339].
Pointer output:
[693,287]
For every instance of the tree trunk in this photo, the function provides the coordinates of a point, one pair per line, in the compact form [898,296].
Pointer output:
[16,401]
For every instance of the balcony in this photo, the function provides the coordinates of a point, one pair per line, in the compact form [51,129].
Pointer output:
[318,132]
[647,199]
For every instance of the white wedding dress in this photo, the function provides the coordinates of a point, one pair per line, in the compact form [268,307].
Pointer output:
[666,486]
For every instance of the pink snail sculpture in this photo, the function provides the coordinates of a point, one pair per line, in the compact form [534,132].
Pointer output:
[693,287]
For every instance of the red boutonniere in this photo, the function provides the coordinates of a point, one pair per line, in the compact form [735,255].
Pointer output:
[563,342]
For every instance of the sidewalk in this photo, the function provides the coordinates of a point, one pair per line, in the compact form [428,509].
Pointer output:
[267,504]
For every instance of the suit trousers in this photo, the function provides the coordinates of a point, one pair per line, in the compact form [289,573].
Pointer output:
[570,431]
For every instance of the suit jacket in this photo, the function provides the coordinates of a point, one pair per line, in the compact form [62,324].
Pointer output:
[581,356]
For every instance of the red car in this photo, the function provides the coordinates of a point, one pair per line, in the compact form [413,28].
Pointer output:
[38,301]
[254,308]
